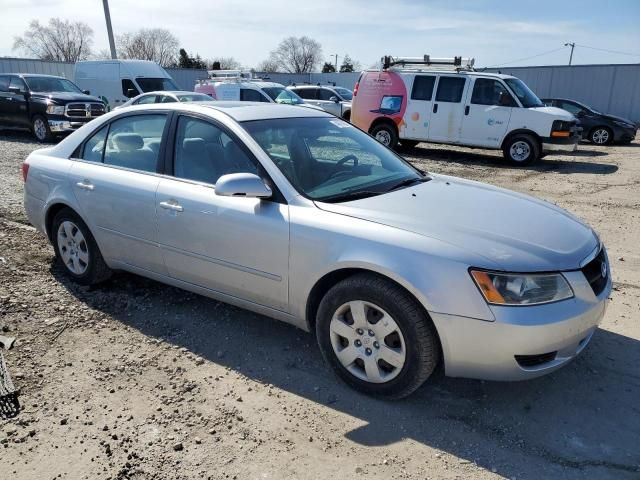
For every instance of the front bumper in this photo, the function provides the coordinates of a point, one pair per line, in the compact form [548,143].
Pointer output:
[568,144]
[65,126]
[622,134]
[546,336]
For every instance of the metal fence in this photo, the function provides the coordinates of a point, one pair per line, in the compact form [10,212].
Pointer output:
[612,89]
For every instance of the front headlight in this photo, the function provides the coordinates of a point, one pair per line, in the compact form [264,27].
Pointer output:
[55,109]
[521,288]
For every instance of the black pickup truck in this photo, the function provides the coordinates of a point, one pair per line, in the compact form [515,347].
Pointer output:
[46,105]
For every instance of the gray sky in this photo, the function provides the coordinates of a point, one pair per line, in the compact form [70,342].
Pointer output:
[496,32]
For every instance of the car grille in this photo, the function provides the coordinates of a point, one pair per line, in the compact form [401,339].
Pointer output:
[529,361]
[84,110]
[593,272]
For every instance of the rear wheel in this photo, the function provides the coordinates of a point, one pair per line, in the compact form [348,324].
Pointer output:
[386,134]
[521,150]
[601,136]
[376,337]
[40,128]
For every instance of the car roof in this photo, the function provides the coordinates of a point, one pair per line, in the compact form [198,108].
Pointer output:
[172,92]
[27,75]
[445,72]
[241,111]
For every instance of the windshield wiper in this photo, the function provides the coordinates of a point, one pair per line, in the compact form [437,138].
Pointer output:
[408,182]
[342,197]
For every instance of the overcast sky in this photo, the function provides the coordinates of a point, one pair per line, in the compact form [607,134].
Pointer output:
[495,32]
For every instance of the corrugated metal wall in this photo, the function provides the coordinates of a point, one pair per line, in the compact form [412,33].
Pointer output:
[612,89]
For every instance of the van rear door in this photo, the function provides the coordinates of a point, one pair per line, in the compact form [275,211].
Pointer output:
[447,109]
[418,114]
[487,113]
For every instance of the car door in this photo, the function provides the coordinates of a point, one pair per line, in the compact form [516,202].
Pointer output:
[447,109]
[233,245]
[417,117]
[17,104]
[4,98]
[325,101]
[309,95]
[115,179]
[487,112]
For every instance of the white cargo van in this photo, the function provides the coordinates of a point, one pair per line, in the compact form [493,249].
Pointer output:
[423,99]
[116,81]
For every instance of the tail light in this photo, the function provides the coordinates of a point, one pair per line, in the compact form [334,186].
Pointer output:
[25,170]
[355,89]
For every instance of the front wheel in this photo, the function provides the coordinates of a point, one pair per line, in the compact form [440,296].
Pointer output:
[521,150]
[40,128]
[376,337]
[386,134]
[601,136]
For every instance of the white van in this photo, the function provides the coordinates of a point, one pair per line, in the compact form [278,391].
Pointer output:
[411,100]
[116,81]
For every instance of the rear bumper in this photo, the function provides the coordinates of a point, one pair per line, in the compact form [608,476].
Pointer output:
[523,342]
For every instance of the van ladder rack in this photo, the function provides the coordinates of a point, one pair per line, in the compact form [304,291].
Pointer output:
[459,63]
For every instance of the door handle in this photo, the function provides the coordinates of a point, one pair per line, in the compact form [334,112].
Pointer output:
[466,110]
[171,206]
[435,108]
[85,185]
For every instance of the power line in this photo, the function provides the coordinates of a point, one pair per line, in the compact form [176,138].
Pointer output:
[527,58]
[609,51]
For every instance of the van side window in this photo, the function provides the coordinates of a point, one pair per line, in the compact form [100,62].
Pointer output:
[134,142]
[203,152]
[250,95]
[128,85]
[307,93]
[422,87]
[450,89]
[487,91]
[94,147]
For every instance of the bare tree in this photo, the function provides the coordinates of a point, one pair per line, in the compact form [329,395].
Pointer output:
[267,66]
[60,40]
[224,63]
[156,44]
[297,55]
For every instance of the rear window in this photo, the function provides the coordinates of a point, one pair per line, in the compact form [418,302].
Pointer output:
[423,87]
[450,89]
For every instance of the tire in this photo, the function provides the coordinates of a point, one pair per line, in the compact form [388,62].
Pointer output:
[409,340]
[347,116]
[386,134]
[601,136]
[40,129]
[521,150]
[76,249]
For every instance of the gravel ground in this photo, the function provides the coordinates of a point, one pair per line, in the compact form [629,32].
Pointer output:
[138,380]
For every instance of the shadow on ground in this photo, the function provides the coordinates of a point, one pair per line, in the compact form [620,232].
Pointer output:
[581,421]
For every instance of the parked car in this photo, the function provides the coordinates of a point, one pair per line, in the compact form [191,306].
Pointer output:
[332,99]
[117,81]
[46,105]
[300,216]
[167,97]
[598,128]
[410,100]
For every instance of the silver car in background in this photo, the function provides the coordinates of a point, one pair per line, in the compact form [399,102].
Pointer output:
[330,98]
[300,216]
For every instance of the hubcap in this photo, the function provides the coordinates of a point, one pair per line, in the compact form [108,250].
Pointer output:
[72,247]
[40,129]
[367,341]
[520,151]
[384,137]
[600,136]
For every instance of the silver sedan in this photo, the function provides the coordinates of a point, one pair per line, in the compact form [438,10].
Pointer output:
[300,216]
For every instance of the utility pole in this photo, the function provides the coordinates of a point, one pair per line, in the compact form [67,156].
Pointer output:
[107,16]
[335,55]
[572,45]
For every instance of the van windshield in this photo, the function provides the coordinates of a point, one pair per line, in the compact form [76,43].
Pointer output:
[524,94]
[51,84]
[282,95]
[156,84]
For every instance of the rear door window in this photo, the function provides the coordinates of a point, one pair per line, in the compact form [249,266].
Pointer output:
[134,142]
[307,93]
[450,89]
[94,147]
[325,94]
[423,87]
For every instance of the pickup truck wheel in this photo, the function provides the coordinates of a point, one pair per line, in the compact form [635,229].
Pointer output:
[40,128]
[376,337]
[521,150]
[77,250]
[385,134]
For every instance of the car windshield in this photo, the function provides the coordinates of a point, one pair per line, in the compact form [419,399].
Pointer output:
[194,97]
[51,84]
[524,94]
[282,95]
[344,93]
[156,84]
[328,159]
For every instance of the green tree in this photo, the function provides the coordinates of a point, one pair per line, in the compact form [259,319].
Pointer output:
[328,67]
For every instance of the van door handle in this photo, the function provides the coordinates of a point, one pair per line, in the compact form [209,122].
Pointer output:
[85,185]
[435,108]
[171,205]
[466,110]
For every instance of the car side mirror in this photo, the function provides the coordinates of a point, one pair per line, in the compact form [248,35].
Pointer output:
[581,114]
[335,99]
[16,90]
[131,93]
[242,185]
[86,92]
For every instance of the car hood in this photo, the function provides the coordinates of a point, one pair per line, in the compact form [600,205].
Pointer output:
[620,119]
[504,229]
[67,97]
[555,111]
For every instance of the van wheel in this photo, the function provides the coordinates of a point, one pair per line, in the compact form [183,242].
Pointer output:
[386,134]
[376,337]
[40,129]
[77,250]
[521,150]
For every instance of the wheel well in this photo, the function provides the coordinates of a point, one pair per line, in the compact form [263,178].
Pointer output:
[347,115]
[383,120]
[600,126]
[51,214]
[521,132]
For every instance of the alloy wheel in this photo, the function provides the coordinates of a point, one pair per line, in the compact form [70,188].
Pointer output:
[367,341]
[600,136]
[384,137]
[72,247]
[40,129]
